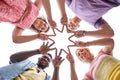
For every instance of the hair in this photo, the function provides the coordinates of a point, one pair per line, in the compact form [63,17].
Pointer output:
[84,49]
[50,55]
[39,31]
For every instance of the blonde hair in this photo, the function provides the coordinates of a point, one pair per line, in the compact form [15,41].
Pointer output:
[86,50]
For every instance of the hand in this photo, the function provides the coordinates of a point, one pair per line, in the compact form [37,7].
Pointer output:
[78,34]
[64,20]
[80,44]
[70,58]
[57,60]
[43,36]
[52,23]
[45,48]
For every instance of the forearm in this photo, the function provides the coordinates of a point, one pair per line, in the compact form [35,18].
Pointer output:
[47,7]
[38,3]
[73,72]
[100,42]
[55,74]
[23,39]
[20,56]
[104,31]
[97,34]
[61,4]
[108,44]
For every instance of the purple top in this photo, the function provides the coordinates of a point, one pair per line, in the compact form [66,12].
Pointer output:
[91,10]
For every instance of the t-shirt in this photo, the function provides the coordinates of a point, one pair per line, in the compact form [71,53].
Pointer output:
[32,74]
[91,10]
[94,64]
[12,10]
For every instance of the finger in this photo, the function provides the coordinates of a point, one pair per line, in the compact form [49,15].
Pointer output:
[56,53]
[60,52]
[70,39]
[53,42]
[62,61]
[52,49]
[43,44]
[65,51]
[47,44]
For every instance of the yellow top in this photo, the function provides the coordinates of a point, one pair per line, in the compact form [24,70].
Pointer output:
[31,74]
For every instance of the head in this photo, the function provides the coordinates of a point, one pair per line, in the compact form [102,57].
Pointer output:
[84,55]
[44,61]
[72,26]
[40,25]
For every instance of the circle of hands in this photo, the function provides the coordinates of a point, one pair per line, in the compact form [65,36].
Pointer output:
[47,47]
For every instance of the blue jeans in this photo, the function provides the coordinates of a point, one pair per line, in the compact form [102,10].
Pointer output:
[11,71]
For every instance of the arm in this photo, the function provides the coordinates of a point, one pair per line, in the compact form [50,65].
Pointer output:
[72,68]
[47,7]
[105,31]
[38,3]
[72,64]
[61,4]
[20,56]
[107,43]
[56,63]
[19,38]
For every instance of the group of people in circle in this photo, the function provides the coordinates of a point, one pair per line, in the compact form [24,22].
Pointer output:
[24,15]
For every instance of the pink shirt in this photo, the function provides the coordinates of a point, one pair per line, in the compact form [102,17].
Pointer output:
[95,64]
[12,10]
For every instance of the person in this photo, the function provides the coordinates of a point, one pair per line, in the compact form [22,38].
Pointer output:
[24,15]
[91,12]
[102,67]
[70,58]
[21,67]
[21,13]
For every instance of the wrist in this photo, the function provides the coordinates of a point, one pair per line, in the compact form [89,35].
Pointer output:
[83,33]
[38,51]
[88,44]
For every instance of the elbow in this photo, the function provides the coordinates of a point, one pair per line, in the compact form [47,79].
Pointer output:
[110,33]
[15,39]
[12,59]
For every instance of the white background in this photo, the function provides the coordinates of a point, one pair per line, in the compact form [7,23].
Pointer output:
[8,47]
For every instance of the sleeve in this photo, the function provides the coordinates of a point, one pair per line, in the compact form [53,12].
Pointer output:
[99,22]
[101,52]
[87,76]
[48,77]
[68,2]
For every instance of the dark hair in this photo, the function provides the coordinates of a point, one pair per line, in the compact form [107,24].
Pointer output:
[33,27]
[50,55]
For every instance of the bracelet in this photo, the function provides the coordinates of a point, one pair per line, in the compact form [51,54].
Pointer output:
[84,33]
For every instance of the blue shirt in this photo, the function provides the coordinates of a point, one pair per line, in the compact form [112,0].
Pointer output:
[11,71]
